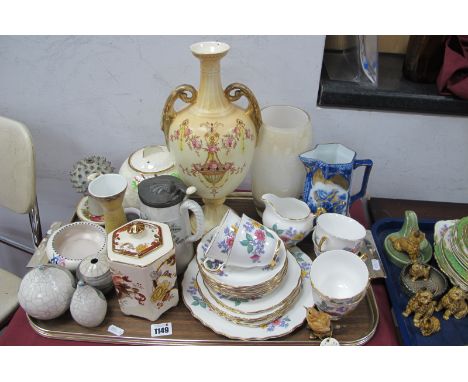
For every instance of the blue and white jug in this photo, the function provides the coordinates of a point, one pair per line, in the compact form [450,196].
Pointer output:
[328,182]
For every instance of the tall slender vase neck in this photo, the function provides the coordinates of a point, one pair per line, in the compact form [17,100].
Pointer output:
[211,96]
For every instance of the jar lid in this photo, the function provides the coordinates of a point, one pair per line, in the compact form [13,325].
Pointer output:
[162,191]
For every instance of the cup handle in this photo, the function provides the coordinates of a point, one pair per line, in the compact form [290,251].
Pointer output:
[357,163]
[322,240]
[199,218]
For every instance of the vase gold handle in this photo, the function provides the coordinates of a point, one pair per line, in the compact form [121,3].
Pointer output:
[235,91]
[187,94]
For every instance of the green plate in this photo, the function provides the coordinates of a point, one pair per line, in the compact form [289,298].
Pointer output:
[452,260]
[401,259]
[462,234]
[446,269]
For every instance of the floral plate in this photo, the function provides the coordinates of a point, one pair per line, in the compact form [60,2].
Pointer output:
[239,277]
[263,305]
[282,326]
[84,215]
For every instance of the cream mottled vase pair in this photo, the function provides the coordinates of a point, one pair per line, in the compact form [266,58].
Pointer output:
[212,139]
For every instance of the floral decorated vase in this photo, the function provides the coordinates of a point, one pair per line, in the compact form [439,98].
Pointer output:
[212,139]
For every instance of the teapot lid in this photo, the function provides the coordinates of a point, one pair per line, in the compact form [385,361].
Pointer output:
[162,191]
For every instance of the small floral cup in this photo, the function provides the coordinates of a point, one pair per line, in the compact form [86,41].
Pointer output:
[220,246]
[254,245]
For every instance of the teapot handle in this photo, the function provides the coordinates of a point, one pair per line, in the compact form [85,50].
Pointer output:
[199,218]
[186,93]
[253,110]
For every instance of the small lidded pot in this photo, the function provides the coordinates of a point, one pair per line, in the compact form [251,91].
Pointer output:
[95,271]
[142,260]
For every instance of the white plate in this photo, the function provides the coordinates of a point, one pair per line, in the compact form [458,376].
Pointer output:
[284,325]
[268,302]
[239,277]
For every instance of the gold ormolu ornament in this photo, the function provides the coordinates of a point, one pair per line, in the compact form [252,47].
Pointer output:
[212,140]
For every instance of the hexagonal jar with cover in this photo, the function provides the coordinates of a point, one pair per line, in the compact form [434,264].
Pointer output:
[143,265]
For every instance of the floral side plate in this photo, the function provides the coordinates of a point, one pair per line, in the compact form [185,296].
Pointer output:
[239,277]
[267,303]
[84,215]
[282,326]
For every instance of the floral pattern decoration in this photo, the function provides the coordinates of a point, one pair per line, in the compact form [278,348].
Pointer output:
[255,240]
[58,260]
[304,264]
[193,291]
[127,289]
[290,236]
[282,322]
[332,201]
[230,232]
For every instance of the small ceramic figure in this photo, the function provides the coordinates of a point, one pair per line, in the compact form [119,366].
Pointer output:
[290,218]
[319,323]
[429,326]
[454,303]
[46,291]
[421,305]
[418,270]
[88,306]
[409,244]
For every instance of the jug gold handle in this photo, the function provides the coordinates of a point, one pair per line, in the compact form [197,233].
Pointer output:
[187,94]
[253,110]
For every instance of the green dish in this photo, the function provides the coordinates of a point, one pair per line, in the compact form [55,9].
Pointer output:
[462,234]
[452,260]
[401,259]
[446,269]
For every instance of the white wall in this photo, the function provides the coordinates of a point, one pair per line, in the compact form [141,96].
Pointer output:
[104,95]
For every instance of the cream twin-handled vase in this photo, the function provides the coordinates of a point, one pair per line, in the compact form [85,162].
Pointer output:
[165,199]
[290,218]
[212,139]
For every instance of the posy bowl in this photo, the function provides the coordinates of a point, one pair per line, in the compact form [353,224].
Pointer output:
[339,282]
[70,244]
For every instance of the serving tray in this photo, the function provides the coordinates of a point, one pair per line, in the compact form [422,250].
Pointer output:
[453,331]
[355,329]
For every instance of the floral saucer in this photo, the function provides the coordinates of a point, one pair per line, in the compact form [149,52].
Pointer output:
[84,215]
[282,326]
[285,290]
[239,277]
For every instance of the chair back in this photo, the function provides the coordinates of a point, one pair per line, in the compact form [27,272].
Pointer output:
[17,167]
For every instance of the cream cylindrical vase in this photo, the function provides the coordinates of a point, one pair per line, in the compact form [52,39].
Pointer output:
[286,132]
[212,139]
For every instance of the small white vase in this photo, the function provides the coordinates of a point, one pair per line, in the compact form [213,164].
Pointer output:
[88,306]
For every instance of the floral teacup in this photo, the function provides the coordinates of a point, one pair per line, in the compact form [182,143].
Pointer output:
[254,245]
[339,282]
[335,231]
[220,246]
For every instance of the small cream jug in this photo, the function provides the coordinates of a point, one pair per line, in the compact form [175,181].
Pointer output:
[290,218]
